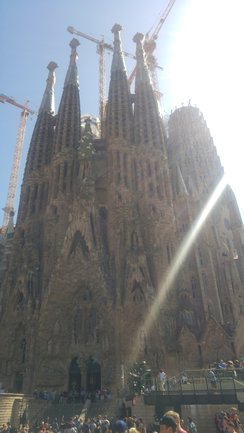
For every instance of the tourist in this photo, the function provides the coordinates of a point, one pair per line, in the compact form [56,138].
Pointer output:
[55,425]
[119,426]
[233,416]
[176,416]
[133,430]
[231,369]
[85,428]
[168,424]
[211,378]
[141,426]
[162,379]
[230,427]
[191,426]
[222,364]
[93,425]
[184,378]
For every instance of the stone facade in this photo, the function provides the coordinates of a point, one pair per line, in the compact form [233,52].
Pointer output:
[102,271]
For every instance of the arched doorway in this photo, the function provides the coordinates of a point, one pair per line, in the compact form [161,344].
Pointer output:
[18,382]
[74,377]
[93,374]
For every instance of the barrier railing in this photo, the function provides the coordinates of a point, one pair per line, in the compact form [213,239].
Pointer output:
[199,382]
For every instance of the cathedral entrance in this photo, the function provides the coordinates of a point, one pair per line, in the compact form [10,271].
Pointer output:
[18,382]
[93,374]
[74,378]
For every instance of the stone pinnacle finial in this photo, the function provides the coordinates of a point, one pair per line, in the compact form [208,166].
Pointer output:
[52,66]
[48,103]
[116,28]
[72,74]
[138,37]
[118,60]
[74,43]
[142,73]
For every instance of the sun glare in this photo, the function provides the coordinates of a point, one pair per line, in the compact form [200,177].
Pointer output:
[206,66]
[177,262]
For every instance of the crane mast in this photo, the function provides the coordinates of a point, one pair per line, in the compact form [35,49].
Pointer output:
[9,206]
[149,47]
[154,32]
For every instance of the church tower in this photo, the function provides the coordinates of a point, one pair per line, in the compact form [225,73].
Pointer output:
[210,289]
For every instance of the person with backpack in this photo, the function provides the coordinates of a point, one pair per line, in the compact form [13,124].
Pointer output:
[191,426]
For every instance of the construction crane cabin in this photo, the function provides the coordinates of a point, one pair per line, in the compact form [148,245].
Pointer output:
[13,180]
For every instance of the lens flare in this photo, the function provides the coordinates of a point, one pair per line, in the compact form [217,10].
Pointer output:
[180,256]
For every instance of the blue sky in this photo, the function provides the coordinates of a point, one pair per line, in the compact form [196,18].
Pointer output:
[199,47]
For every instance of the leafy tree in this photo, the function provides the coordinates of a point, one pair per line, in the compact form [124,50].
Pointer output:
[139,377]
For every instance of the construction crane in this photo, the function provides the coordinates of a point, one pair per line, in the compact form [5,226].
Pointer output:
[101,47]
[150,45]
[9,207]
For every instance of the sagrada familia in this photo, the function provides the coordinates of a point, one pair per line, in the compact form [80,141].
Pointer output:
[111,261]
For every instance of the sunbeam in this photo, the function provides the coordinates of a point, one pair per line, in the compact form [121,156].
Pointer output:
[177,262]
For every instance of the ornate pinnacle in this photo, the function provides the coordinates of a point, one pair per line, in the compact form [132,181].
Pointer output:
[118,60]
[74,43]
[116,28]
[52,66]
[72,75]
[47,103]
[138,38]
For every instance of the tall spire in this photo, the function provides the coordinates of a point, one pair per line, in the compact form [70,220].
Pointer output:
[41,141]
[68,129]
[48,103]
[185,149]
[72,73]
[148,127]
[142,75]
[118,59]
[34,190]
[119,110]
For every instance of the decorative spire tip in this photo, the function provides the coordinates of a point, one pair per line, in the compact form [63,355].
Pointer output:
[116,28]
[74,43]
[138,37]
[51,66]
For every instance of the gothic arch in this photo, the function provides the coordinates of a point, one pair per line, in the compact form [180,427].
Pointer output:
[216,343]
[189,349]
[137,292]
[79,242]
[93,374]
[74,377]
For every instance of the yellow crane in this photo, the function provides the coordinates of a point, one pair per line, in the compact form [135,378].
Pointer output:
[150,46]
[25,111]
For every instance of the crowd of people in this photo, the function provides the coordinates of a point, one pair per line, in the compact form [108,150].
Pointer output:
[103,424]
[227,368]
[170,422]
[228,422]
[73,396]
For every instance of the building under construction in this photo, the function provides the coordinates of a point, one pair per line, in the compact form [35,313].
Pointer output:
[109,263]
